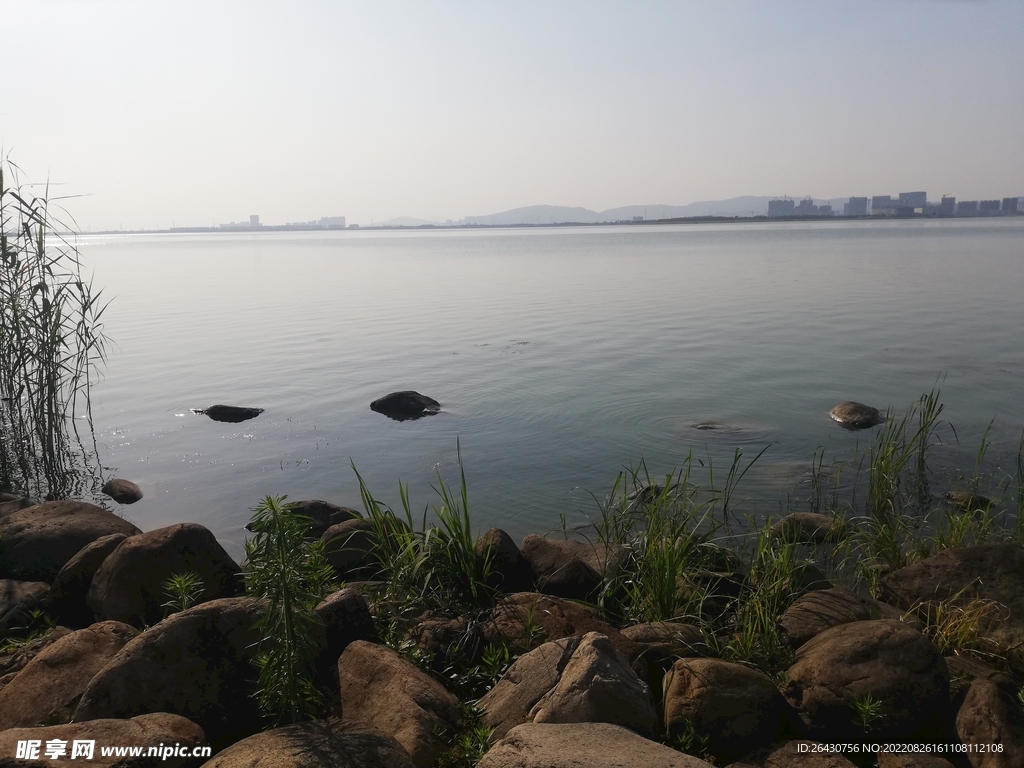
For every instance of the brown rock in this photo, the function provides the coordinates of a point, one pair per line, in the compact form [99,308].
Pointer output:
[17,597]
[10,503]
[818,610]
[569,569]
[669,638]
[319,744]
[967,501]
[901,760]
[809,528]
[509,571]
[582,745]
[854,415]
[985,571]
[196,663]
[122,491]
[346,617]
[799,753]
[71,585]
[384,691]
[573,680]
[143,731]
[887,660]
[964,670]
[14,659]
[36,542]
[737,709]
[323,514]
[350,549]
[48,689]
[988,716]
[129,584]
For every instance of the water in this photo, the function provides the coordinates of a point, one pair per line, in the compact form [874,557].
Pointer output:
[559,355]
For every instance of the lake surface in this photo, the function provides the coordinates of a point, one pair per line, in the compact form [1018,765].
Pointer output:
[560,355]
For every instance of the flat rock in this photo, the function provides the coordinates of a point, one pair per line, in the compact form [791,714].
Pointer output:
[71,584]
[196,663]
[814,612]
[122,491]
[318,744]
[405,405]
[129,584]
[48,689]
[384,691]
[232,414]
[582,745]
[17,597]
[37,541]
[853,415]
[144,731]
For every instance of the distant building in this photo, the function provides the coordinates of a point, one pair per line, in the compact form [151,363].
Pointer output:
[913,200]
[858,206]
[883,205]
[988,207]
[967,208]
[332,222]
[1011,205]
[254,221]
[806,207]
[638,219]
[948,206]
[784,207]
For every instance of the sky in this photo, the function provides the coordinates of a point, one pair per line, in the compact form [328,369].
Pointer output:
[184,113]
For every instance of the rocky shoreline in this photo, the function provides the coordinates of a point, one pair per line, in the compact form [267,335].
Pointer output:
[562,684]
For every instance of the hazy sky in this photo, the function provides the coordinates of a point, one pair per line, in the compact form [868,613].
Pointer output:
[197,113]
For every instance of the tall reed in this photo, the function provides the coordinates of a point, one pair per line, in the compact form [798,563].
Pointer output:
[51,342]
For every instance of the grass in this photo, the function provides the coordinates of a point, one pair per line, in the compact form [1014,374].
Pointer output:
[51,344]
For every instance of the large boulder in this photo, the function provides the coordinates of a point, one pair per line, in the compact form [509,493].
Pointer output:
[11,503]
[323,514]
[196,663]
[350,547]
[985,571]
[122,491]
[736,708]
[71,585]
[48,689]
[988,716]
[582,745]
[346,617]
[566,568]
[668,638]
[36,542]
[526,619]
[508,570]
[318,744]
[405,405]
[17,597]
[129,584]
[572,680]
[889,661]
[384,691]
[854,415]
[815,611]
[144,731]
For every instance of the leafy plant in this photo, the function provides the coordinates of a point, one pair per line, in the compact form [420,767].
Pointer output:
[291,574]
[29,625]
[183,590]
[867,710]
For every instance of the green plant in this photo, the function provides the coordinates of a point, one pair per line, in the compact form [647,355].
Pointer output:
[30,624]
[183,590]
[867,710]
[471,745]
[291,575]
[51,342]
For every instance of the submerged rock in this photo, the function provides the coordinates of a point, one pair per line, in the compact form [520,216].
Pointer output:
[229,413]
[405,405]
[122,491]
[854,415]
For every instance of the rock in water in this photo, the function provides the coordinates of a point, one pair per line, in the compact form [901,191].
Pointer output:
[401,406]
[229,413]
[122,491]
[856,415]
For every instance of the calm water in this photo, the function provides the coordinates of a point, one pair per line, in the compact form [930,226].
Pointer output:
[559,356]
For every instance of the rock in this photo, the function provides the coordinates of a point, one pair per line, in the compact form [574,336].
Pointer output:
[818,610]
[71,585]
[10,503]
[229,413]
[145,731]
[887,660]
[669,638]
[509,571]
[526,619]
[800,753]
[350,549]
[129,584]
[448,641]
[122,491]
[809,528]
[964,670]
[856,415]
[989,716]
[323,514]
[573,680]
[346,617]
[14,659]
[402,406]
[582,745]
[565,568]
[985,571]
[18,597]
[901,760]
[196,663]
[318,744]
[384,691]
[968,502]
[36,542]
[47,690]
[737,709]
